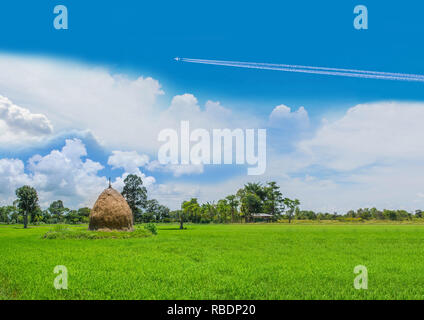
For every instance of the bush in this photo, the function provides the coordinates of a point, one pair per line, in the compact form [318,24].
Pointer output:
[65,233]
[151,227]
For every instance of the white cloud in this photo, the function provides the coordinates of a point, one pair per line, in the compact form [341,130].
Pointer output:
[369,133]
[18,125]
[177,170]
[370,156]
[12,176]
[122,112]
[130,161]
[282,116]
[117,109]
[213,116]
[64,174]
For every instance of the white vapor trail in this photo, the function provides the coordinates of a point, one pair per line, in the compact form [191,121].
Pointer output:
[313,70]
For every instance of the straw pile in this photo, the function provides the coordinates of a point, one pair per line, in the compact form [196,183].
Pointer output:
[111,212]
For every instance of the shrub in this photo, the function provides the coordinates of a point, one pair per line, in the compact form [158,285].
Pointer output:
[151,227]
[66,233]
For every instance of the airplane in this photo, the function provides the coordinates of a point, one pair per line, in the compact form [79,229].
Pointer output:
[177,59]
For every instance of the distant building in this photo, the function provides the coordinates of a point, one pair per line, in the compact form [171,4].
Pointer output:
[262,217]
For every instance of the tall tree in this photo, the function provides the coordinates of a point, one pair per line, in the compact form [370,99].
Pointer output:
[135,194]
[58,210]
[27,201]
[233,203]
[291,207]
[256,188]
[274,201]
[223,209]
[250,203]
[189,209]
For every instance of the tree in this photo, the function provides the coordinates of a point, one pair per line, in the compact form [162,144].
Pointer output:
[4,214]
[27,201]
[151,213]
[188,209]
[84,214]
[233,203]
[57,210]
[135,194]
[274,201]
[250,203]
[291,205]
[162,213]
[72,217]
[223,210]
[256,188]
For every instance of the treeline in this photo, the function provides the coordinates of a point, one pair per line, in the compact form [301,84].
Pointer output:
[55,213]
[25,209]
[255,199]
[253,202]
[360,214]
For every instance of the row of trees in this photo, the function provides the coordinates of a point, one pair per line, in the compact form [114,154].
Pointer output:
[256,198]
[253,198]
[26,208]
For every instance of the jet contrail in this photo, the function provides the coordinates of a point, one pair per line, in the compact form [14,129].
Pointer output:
[312,70]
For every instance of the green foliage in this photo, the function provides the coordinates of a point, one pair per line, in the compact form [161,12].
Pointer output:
[152,228]
[291,205]
[63,232]
[252,198]
[27,201]
[135,194]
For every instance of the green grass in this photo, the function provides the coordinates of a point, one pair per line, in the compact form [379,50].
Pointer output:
[63,232]
[258,261]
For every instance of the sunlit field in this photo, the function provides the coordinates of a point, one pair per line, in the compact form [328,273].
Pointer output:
[247,261]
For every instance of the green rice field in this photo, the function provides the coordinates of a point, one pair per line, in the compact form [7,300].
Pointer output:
[241,261]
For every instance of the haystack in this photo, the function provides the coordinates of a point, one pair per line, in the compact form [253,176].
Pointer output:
[111,212]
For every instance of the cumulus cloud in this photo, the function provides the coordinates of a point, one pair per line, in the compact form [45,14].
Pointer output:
[117,109]
[370,156]
[12,176]
[213,115]
[282,115]
[367,134]
[130,161]
[22,119]
[177,170]
[121,111]
[19,125]
[65,174]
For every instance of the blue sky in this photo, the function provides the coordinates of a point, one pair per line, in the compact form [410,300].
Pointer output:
[141,38]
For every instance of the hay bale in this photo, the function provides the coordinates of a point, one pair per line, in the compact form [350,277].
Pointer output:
[111,212]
